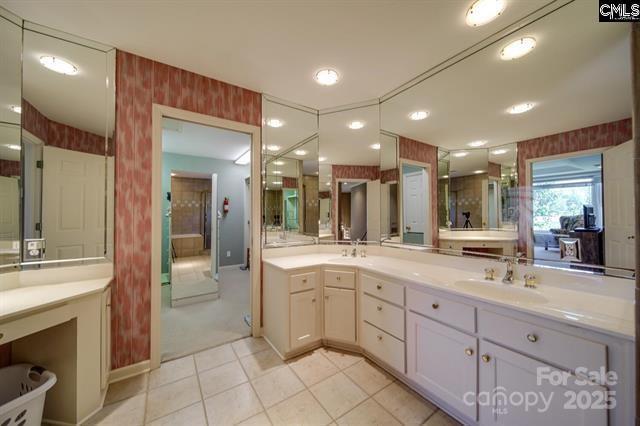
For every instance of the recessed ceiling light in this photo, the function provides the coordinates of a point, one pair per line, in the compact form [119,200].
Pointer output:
[322,158]
[520,108]
[460,154]
[476,144]
[326,77]
[16,109]
[517,49]
[300,152]
[484,11]
[478,172]
[277,183]
[279,163]
[273,147]
[244,159]
[328,183]
[275,122]
[173,174]
[58,65]
[356,125]
[375,146]
[277,172]
[418,115]
[13,146]
[499,151]
[445,176]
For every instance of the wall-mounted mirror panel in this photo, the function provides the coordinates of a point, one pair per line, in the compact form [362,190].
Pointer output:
[531,155]
[10,168]
[67,121]
[349,159]
[291,204]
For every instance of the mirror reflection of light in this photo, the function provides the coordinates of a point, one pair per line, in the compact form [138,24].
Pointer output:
[16,109]
[58,65]
[13,147]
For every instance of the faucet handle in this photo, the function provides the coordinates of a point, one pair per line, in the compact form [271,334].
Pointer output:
[530,280]
[489,273]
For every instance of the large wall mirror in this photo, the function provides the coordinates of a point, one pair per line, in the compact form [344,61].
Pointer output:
[57,153]
[521,148]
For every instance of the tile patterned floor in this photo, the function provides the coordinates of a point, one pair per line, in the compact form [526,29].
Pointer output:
[246,383]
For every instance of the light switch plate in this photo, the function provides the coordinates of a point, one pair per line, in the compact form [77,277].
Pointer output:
[33,249]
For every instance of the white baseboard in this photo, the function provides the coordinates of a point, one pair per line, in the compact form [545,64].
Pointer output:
[232,266]
[129,371]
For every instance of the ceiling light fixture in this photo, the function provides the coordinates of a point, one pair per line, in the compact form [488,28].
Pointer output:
[418,115]
[279,163]
[356,125]
[460,154]
[276,172]
[445,176]
[275,122]
[244,159]
[476,144]
[326,77]
[322,159]
[273,147]
[520,108]
[277,183]
[499,151]
[478,172]
[517,49]
[16,109]
[482,12]
[375,146]
[13,147]
[300,152]
[58,65]
[173,174]
[328,183]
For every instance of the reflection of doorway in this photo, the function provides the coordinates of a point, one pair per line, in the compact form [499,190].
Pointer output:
[415,204]
[352,209]
[493,203]
[290,208]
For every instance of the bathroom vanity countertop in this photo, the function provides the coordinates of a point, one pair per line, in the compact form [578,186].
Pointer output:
[607,314]
[29,298]
[477,238]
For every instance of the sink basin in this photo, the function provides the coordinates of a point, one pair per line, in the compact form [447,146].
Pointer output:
[499,291]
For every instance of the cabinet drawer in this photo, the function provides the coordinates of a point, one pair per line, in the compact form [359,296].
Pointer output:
[553,346]
[444,310]
[384,346]
[301,282]
[385,290]
[383,315]
[342,279]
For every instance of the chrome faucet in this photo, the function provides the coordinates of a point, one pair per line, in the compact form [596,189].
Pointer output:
[508,276]
[354,250]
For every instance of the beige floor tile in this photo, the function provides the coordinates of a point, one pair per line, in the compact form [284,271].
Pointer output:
[301,409]
[368,413]
[172,397]
[340,358]
[277,386]
[405,406]
[257,420]
[221,378]
[261,363]
[172,371]
[232,406]
[368,376]
[440,418]
[249,345]
[192,415]
[313,368]
[127,388]
[214,357]
[338,394]
[127,412]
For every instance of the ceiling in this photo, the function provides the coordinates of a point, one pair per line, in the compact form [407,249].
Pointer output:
[197,140]
[10,52]
[578,166]
[275,46]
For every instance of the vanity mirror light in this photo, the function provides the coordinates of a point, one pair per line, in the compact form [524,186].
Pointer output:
[531,156]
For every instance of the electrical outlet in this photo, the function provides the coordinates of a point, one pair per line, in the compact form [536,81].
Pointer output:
[228,253]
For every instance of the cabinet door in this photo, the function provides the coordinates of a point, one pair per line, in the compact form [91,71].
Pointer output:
[443,361]
[303,318]
[105,341]
[510,379]
[340,314]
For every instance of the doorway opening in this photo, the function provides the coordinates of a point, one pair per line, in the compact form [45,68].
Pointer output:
[206,237]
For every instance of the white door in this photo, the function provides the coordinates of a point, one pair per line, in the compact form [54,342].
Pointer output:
[340,314]
[444,361]
[247,219]
[373,210]
[9,209]
[73,204]
[510,373]
[415,202]
[619,214]
[214,226]
[303,317]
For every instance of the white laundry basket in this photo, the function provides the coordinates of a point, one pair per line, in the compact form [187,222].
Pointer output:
[22,391]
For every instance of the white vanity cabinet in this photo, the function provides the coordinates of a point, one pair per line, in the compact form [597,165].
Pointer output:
[304,318]
[340,305]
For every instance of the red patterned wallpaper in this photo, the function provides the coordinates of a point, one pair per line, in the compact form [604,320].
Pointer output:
[390,175]
[348,172]
[598,136]
[9,168]
[410,149]
[140,82]
[289,182]
[324,194]
[494,170]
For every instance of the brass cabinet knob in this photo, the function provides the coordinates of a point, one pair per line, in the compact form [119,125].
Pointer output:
[379,307]
[338,278]
[486,358]
[379,336]
[532,338]
[313,300]
[379,287]
[326,297]
[468,351]
[304,280]
[435,306]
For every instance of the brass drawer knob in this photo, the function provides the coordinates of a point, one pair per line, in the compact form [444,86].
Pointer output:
[313,300]
[304,280]
[379,336]
[486,358]
[468,351]
[338,278]
[379,307]
[435,306]
[379,287]
[532,338]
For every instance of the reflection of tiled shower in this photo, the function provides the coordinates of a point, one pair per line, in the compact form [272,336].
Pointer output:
[190,215]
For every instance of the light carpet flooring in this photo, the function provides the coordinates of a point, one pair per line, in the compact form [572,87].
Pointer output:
[247,383]
[191,278]
[192,328]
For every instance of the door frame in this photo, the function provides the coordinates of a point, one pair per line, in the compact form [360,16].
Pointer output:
[158,113]
[427,238]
